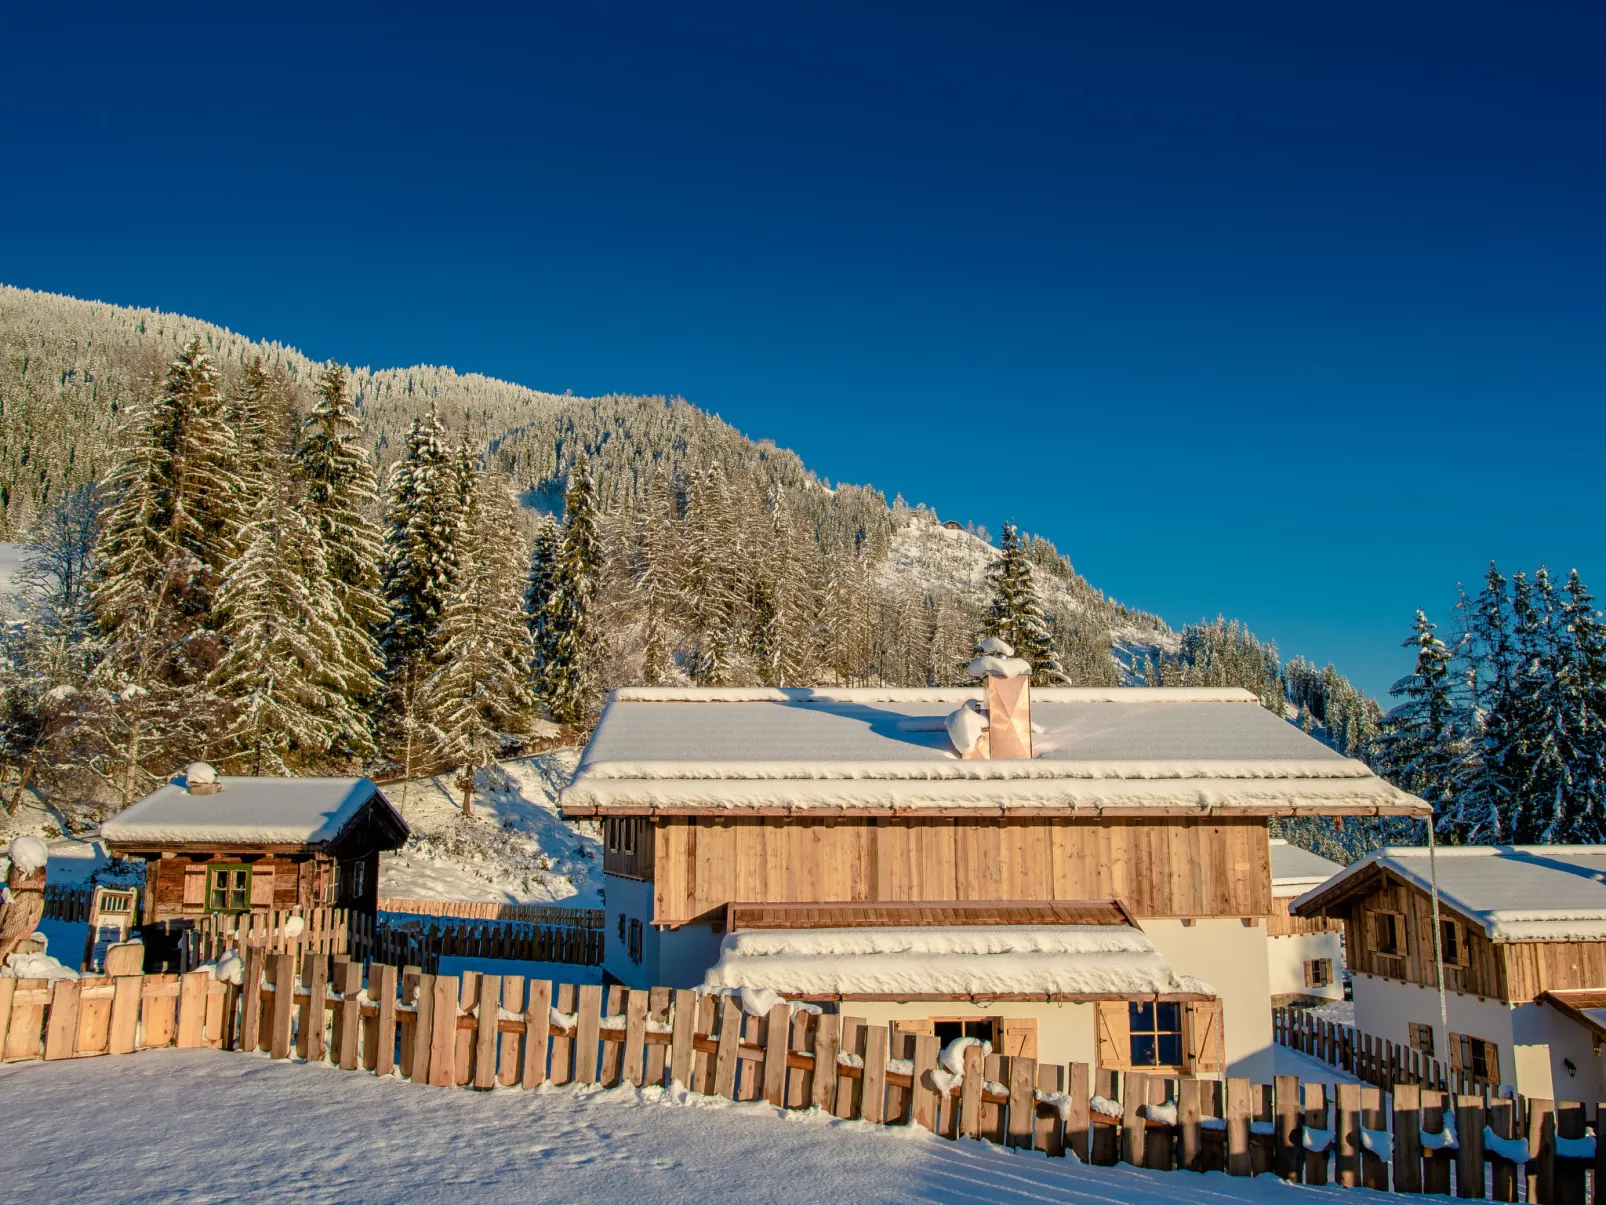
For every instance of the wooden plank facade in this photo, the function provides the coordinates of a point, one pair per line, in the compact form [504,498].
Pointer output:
[1209,867]
[178,882]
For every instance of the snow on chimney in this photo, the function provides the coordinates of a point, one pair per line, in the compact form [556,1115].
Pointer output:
[201,779]
[1002,726]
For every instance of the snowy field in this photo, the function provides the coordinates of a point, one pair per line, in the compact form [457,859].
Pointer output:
[514,848]
[205,1126]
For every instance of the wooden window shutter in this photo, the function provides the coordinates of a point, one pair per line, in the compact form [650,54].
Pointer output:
[262,887]
[195,886]
[1206,1050]
[1310,974]
[1460,1055]
[1491,1059]
[1114,1034]
[915,1025]
[1019,1037]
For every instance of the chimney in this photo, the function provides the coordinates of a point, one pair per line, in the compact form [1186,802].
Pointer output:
[201,779]
[1007,702]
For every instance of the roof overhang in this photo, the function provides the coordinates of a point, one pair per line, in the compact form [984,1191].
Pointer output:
[1585,1006]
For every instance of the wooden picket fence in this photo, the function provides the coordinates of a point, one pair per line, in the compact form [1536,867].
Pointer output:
[1369,1059]
[484,1031]
[416,942]
[324,930]
[535,914]
[65,903]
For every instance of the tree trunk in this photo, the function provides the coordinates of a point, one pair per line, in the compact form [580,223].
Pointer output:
[468,789]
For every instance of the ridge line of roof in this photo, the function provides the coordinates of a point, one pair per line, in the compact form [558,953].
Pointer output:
[954,694]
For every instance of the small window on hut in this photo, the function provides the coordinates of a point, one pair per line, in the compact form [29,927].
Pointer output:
[1388,934]
[1318,972]
[1156,1033]
[228,888]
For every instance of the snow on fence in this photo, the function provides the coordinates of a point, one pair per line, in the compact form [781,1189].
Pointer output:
[403,941]
[536,914]
[1368,1058]
[483,1031]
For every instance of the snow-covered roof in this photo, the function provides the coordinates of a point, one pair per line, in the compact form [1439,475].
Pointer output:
[1295,870]
[912,963]
[1515,892]
[248,811]
[684,749]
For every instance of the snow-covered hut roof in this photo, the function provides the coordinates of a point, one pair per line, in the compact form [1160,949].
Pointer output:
[1054,962]
[1514,892]
[679,750]
[1295,871]
[250,811]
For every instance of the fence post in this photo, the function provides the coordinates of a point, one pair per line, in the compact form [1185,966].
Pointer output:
[1567,1175]
[1021,1124]
[1316,1119]
[1469,1155]
[1076,1125]
[1134,1095]
[1239,1162]
[970,1094]
[1408,1138]
[1285,1102]
[1188,1125]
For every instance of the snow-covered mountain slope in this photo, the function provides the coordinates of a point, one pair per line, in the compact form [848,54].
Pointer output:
[512,848]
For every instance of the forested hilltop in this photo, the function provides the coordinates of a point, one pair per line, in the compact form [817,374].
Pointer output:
[238,554]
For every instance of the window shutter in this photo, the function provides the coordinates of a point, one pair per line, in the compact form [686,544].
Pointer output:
[915,1025]
[1459,1055]
[262,888]
[194,886]
[1310,974]
[1204,1037]
[1114,1034]
[1491,1061]
[1019,1037]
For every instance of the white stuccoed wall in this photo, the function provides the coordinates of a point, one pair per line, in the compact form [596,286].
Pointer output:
[1286,958]
[669,957]
[1385,1009]
[1231,957]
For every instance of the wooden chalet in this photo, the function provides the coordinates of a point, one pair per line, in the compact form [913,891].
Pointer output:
[218,844]
[1522,939]
[908,811]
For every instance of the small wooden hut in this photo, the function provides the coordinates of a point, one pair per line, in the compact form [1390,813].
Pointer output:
[218,844]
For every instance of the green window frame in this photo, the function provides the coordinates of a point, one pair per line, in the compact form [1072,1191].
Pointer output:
[228,888]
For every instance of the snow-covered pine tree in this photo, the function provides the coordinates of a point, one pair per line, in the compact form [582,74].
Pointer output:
[539,584]
[1015,615]
[423,519]
[1416,749]
[339,492]
[653,575]
[172,527]
[707,587]
[287,681]
[258,412]
[569,676]
[480,693]
[1562,791]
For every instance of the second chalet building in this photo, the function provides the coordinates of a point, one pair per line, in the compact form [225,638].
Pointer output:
[1075,874]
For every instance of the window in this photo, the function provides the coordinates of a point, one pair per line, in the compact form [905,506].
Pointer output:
[228,888]
[1453,943]
[635,941]
[948,1029]
[359,879]
[1481,1058]
[1421,1038]
[329,891]
[1388,934]
[1156,1033]
[1319,972]
[621,835]
[621,926]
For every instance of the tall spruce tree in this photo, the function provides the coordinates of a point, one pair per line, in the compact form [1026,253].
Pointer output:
[708,584]
[258,412]
[289,685]
[423,519]
[340,495]
[1415,748]
[538,594]
[1015,615]
[653,574]
[480,693]
[569,680]
[171,529]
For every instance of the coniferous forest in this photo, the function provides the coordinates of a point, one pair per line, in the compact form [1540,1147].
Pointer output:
[231,553]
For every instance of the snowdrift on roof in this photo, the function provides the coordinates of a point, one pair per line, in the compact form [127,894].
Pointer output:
[904,963]
[254,811]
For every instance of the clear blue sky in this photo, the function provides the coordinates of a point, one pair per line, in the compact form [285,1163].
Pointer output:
[1295,312]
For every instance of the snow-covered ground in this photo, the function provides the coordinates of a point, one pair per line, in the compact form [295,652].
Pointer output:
[1311,1071]
[208,1126]
[513,848]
